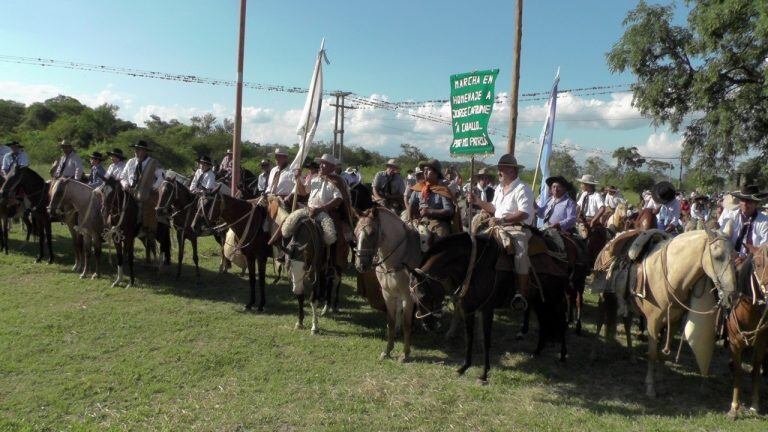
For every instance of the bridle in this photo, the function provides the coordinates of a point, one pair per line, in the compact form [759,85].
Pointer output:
[375,250]
[416,299]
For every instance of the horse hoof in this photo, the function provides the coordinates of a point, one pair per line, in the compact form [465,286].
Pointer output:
[384,356]
[563,359]
[248,308]
[651,393]
[403,359]
[324,311]
[315,331]
[753,411]
[733,414]
[114,284]
[483,381]
[461,370]
[82,276]
[299,326]
[37,260]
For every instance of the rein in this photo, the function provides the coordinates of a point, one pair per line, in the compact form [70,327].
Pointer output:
[377,249]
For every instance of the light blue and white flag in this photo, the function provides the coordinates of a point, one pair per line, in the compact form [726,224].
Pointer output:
[310,116]
[546,142]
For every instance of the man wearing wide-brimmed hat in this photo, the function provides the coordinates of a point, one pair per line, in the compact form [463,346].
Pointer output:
[484,185]
[388,187]
[591,204]
[512,209]
[352,176]
[225,167]
[328,194]
[263,180]
[432,203]
[96,176]
[749,226]
[142,173]
[16,157]
[700,210]
[69,164]
[204,179]
[281,179]
[115,170]
[560,211]
[666,206]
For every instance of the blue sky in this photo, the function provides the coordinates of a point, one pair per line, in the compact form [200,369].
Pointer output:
[396,50]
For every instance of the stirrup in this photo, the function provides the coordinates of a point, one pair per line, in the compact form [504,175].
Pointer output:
[519,303]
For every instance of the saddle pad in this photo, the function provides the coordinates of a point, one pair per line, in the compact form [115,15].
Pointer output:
[537,245]
[615,248]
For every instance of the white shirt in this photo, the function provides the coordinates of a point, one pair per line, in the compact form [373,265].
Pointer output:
[284,185]
[128,177]
[21,160]
[590,204]
[699,212]
[669,214]
[612,201]
[70,166]
[759,228]
[4,150]
[262,183]
[519,197]
[203,181]
[115,170]
[322,191]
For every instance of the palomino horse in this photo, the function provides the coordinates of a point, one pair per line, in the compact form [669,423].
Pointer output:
[748,324]
[671,270]
[36,190]
[123,226]
[381,234]
[87,206]
[177,204]
[444,270]
[245,219]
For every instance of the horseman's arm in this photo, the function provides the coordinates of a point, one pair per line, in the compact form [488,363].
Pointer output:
[333,204]
[570,216]
[598,215]
[301,189]
[445,212]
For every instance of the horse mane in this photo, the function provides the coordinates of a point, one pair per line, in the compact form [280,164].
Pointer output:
[452,243]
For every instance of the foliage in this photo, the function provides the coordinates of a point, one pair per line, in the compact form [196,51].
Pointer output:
[11,115]
[563,164]
[707,77]
[411,154]
[628,159]
[638,181]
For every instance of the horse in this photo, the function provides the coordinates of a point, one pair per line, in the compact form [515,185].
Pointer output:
[33,186]
[644,220]
[444,269]
[87,206]
[122,221]
[382,234]
[245,222]
[747,324]
[361,197]
[177,204]
[671,270]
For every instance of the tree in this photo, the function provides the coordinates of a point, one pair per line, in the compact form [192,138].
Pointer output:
[411,154]
[638,181]
[562,163]
[658,167]
[628,158]
[38,117]
[596,166]
[713,69]
[11,115]
[204,125]
[65,105]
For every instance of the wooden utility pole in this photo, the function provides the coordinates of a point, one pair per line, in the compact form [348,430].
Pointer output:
[238,103]
[515,78]
[680,178]
[338,125]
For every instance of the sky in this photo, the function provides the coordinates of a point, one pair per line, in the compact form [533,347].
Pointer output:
[398,50]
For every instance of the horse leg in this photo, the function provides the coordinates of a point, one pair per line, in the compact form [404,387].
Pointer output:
[391,304]
[455,318]
[758,354]
[300,322]
[262,262]
[628,331]
[195,258]
[337,286]
[251,283]
[40,242]
[653,356]
[97,257]
[130,241]
[544,326]
[407,305]
[487,323]
[119,259]
[180,238]
[736,351]
[579,306]
[525,324]
[86,255]
[469,329]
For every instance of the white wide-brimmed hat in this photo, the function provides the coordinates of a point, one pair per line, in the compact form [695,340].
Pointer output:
[280,152]
[327,159]
[392,162]
[587,179]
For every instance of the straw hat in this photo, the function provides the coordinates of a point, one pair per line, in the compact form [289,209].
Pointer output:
[587,179]
[326,158]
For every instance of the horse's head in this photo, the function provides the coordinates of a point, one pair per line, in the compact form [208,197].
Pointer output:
[717,262]
[167,195]
[427,293]
[209,210]
[760,268]
[12,181]
[367,234]
[57,190]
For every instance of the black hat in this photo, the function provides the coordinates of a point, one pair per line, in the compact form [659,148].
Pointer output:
[312,165]
[118,153]
[434,164]
[15,144]
[97,155]
[141,144]
[264,162]
[205,160]
[663,192]
[750,193]
[560,180]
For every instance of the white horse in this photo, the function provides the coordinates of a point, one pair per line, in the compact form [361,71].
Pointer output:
[382,235]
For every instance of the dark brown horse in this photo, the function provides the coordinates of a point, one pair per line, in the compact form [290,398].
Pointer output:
[177,204]
[748,325]
[26,181]
[644,220]
[443,271]
[246,220]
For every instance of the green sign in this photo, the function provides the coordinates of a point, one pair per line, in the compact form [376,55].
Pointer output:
[471,105]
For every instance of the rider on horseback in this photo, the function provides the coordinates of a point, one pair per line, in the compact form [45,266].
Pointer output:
[433,203]
[591,204]
[750,226]
[141,175]
[69,164]
[16,157]
[389,187]
[204,179]
[512,209]
[281,180]
[666,206]
[561,210]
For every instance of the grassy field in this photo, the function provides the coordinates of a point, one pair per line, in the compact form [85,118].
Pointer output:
[181,355]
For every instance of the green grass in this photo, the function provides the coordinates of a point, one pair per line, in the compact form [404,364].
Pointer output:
[178,355]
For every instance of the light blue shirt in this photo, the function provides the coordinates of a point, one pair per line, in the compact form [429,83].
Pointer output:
[562,211]
[20,159]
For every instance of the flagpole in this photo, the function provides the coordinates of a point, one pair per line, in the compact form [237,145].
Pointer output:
[238,103]
[515,79]
[536,173]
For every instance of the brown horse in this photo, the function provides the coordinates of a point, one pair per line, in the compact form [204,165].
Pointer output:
[26,180]
[246,221]
[643,220]
[748,325]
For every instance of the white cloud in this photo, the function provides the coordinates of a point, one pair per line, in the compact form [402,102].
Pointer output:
[28,93]
[615,113]
[662,144]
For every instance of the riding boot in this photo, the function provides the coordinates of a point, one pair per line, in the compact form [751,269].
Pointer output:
[520,301]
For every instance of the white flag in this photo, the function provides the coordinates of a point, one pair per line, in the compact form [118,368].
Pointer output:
[546,142]
[311,114]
